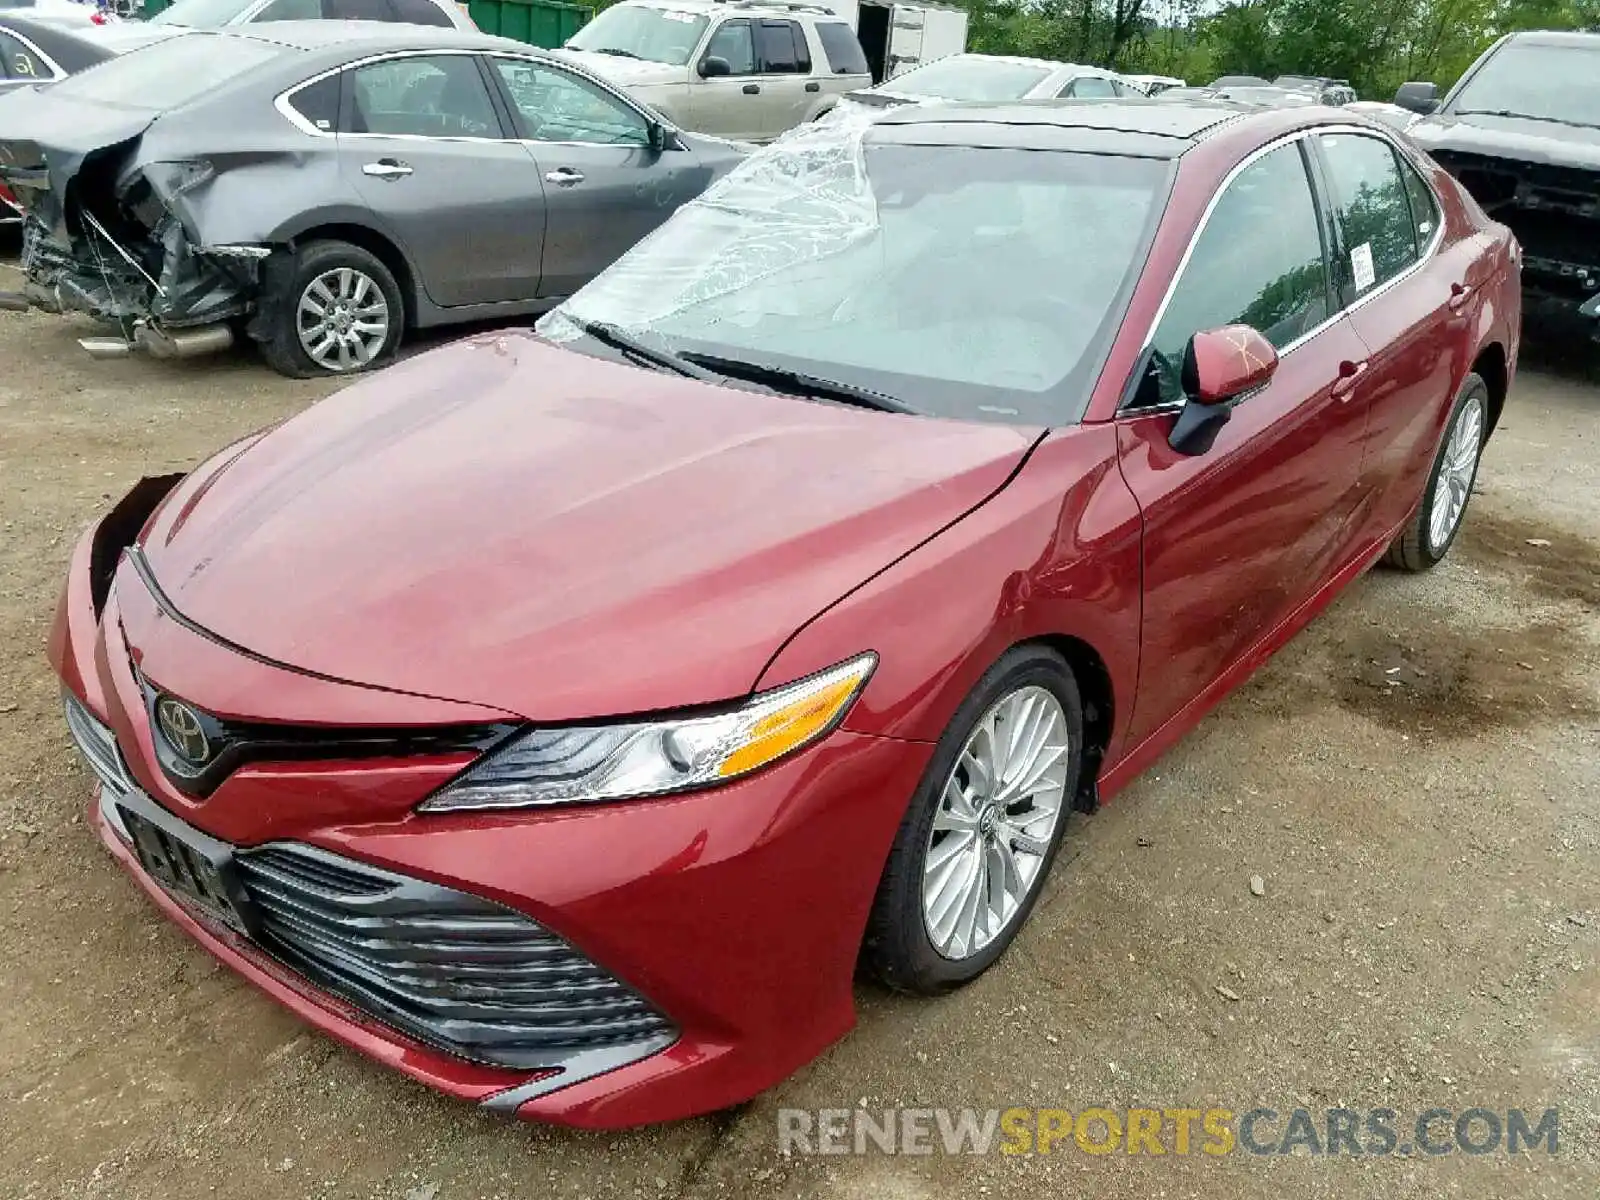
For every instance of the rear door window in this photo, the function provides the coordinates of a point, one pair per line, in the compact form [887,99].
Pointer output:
[1373,211]
[421,12]
[20,63]
[360,10]
[290,10]
[840,47]
[781,48]
[421,96]
[1090,87]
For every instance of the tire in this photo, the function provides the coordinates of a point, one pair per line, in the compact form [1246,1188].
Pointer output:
[902,947]
[1428,535]
[327,261]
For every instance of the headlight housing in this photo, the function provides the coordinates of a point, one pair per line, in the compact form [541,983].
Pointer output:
[588,763]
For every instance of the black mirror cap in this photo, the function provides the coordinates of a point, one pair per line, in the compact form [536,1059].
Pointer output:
[711,67]
[1195,431]
[1418,97]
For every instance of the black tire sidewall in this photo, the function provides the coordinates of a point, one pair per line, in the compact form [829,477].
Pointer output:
[1472,385]
[316,259]
[906,954]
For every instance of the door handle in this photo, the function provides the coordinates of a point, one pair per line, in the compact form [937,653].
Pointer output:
[1460,293]
[387,168]
[563,176]
[813,86]
[752,89]
[1349,372]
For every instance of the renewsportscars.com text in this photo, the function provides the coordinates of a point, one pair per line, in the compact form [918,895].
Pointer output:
[1211,1132]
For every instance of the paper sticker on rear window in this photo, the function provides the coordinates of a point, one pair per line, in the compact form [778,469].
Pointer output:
[1361,266]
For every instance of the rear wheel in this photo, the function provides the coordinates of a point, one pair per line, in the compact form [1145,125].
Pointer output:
[1433,527]
[340,313]
[982,829]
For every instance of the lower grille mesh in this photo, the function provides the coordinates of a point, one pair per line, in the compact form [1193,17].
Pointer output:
[453,970]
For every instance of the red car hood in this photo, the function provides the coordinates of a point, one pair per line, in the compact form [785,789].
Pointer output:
[508,523]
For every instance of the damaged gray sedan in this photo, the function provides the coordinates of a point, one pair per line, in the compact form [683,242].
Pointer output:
[321,187]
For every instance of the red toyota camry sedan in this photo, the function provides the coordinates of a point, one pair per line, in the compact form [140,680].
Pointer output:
[562,715]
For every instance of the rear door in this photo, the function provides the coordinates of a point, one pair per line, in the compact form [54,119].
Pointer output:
[906,25]
[732,105]
[1235,539]
[787,89]
[423,143]
[604,186]
[1410,298]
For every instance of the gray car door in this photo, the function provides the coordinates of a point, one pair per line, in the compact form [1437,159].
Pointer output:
[605,187]
[424,145]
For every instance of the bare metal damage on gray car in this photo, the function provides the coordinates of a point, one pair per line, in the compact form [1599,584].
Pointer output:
[324,190]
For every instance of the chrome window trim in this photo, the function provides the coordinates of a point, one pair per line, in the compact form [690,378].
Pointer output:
[57,72]
[1250,159]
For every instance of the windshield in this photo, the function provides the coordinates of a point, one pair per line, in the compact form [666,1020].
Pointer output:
[169,73]
[1548,83]
[637,31]
[958,78]
[963,282]
[201,14]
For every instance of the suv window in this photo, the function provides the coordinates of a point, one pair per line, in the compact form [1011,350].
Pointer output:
[319,103]
[558,107]
[422,96]
[782,48]
[1090,87]
[733,42]
[841,48]
[421,12]
[1369,201]
[1259,261]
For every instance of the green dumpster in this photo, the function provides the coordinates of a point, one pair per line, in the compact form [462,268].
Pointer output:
[538,22]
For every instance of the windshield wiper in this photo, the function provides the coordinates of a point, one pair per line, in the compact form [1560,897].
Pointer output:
[654,356]
[618,51]
[799,383]
[1506,112]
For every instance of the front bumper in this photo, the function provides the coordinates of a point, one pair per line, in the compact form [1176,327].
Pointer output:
[735,915]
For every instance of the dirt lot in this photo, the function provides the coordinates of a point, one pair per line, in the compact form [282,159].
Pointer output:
[1415,779]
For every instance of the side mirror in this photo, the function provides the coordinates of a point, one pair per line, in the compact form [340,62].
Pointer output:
[1421,98]
[712,66]
[656,136]
[1220,368]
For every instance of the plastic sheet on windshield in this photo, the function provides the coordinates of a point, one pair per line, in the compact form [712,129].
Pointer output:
[802,198]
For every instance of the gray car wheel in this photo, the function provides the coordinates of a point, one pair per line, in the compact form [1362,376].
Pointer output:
[337,311]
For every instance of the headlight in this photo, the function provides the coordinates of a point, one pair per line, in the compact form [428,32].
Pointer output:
[617,762]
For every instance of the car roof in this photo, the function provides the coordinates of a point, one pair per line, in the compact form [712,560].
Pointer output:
[364,37]
[1135,127]
[1548,37]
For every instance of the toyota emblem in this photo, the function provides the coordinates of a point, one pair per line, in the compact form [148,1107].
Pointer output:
[181,726]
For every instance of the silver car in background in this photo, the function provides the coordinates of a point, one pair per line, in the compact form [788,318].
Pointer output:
[322,186]
[993,78]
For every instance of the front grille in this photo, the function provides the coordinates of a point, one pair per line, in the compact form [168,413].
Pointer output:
[97,744]
[456,971]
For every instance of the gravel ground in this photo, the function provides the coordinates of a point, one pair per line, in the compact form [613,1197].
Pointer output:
[1413,780]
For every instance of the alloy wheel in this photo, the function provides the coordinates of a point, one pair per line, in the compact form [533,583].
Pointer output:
[1456,473]
[342,319]
[995,823]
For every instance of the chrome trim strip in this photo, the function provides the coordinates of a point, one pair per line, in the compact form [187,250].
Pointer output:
[585,1064]
[1205,219]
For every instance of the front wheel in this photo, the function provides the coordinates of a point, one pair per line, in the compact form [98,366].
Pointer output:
[339,312]
[981,830]
[1433,527]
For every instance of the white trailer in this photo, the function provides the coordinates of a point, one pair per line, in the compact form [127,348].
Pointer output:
[896,36]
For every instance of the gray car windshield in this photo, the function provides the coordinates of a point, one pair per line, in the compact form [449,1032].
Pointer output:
[201,14]
[1546,83]
[962,78]
[637,31]
[170,73]
[963,282]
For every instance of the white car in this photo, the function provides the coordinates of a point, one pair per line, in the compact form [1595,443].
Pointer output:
[1154,85]
[994,78]
[222,14]
[738,69]
[1392,115]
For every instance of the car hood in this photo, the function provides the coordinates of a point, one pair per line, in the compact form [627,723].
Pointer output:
[1515,138]
[510,523]
[627,72]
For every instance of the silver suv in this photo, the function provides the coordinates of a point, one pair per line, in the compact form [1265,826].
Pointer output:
[745,69]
